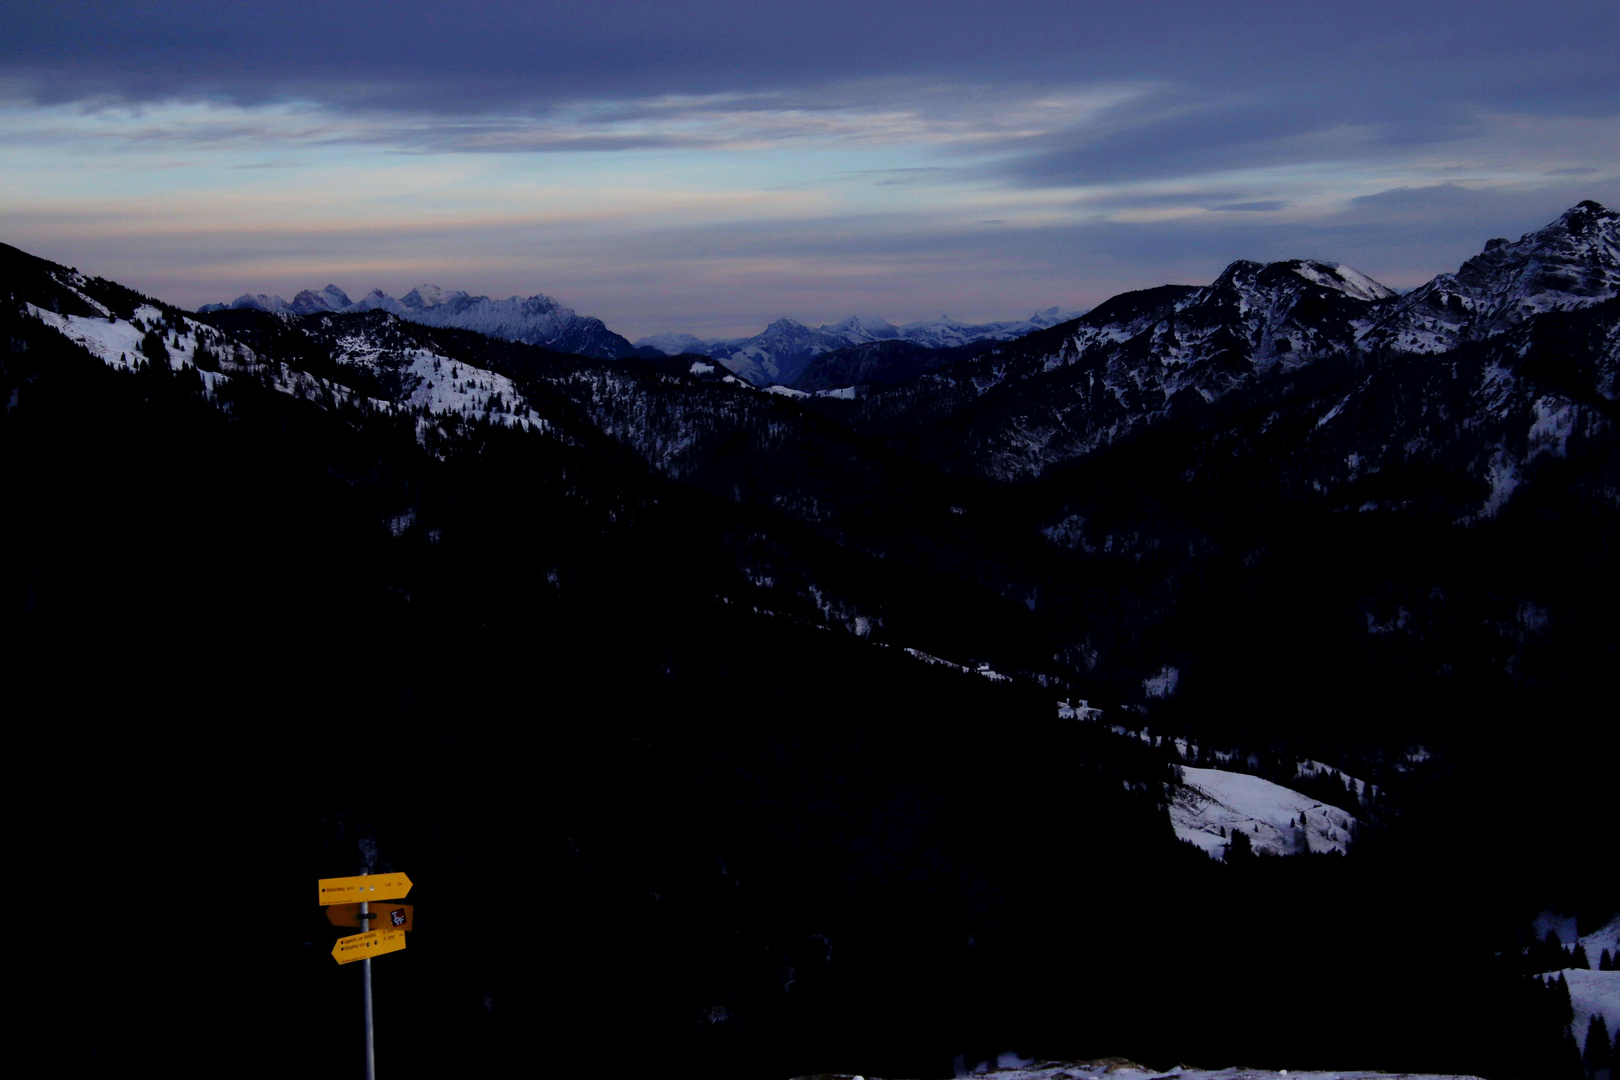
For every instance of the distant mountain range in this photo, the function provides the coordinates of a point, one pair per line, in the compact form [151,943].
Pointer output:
[777,355]
[783,350]
[533,320]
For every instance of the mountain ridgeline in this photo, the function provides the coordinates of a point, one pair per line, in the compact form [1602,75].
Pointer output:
[847,724]
[533,320]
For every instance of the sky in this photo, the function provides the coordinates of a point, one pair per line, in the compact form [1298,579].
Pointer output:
[707,166]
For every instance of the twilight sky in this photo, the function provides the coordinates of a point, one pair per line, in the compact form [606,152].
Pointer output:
[709,165]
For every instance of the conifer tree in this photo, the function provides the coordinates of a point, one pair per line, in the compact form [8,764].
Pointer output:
[1568,1061]
[1239,849]
[1566,1007]
[153,348]
[1598,1049]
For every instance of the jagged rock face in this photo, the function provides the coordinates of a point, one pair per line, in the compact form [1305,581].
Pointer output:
[1119,374]
[309,302]
[1139,358]
[534,320]
[1573,262]
[1483,414]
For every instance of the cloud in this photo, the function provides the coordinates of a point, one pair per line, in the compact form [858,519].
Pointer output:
[913,112]
[701,164]
[501,56]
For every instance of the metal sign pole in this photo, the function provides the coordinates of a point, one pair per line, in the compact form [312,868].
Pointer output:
[365,979]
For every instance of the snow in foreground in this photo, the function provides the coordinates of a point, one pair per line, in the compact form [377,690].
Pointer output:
[1120,1069]
[1591,992]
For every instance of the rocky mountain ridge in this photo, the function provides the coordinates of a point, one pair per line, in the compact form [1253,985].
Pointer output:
[1175,353]
[534,320]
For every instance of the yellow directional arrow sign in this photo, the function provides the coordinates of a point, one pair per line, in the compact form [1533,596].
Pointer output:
[364,946]
[344,890]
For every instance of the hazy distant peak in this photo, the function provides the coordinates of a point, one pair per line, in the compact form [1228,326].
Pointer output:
[258,302]
[673,344]
[430,296]
[330,298]
[871,327]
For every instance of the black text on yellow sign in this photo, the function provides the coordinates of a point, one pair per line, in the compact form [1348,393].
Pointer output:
[344,890]
[364,946]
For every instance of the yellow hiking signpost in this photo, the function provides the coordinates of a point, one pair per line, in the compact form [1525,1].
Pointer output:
[365,946]
[384,915]
[348,901]
[344,890]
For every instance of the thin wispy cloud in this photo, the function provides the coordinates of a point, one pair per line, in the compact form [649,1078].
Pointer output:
[894,112]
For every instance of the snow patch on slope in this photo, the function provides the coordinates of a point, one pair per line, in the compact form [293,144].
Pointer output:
[1277,819]
[1016,1068]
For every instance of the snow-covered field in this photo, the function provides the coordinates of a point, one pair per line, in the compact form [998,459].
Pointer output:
[1120,1069]
[439,383]
[1213,803]
[117,342]
[1590,991]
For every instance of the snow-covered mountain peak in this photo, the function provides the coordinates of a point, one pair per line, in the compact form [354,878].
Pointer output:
[259,302]
[1588,217]
[1246,276]
[864,328]
[1330,275]
[535,320]
[1238,270]
[430,296]
[309,302]
[1571,263]
[1271,291]
[376,299]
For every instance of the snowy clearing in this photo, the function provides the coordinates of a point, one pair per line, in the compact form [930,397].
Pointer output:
[1277,819]
[1590,991]
[439,384]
